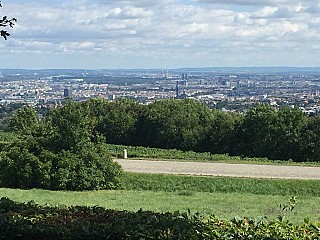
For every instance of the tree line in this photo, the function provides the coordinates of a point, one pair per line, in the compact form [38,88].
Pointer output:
[176,124]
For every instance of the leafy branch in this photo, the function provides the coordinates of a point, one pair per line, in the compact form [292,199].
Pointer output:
[6,22]
[287,208]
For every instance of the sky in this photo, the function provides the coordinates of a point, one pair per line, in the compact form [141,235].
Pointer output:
[113,34]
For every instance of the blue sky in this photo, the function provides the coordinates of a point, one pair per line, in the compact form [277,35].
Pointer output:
[95,34]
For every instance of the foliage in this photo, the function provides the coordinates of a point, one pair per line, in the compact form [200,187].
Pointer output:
[265,132]
[290,128]
[6,138]
[24,121]
[26,165]
[218,137]
[67,128]
[91,168]
[232,201]
[310,140]
[254,136]
[6,22]
[60,152]
[286,209]
[118,122]
[180,124]
[189,126]
[6,111]
[28,220]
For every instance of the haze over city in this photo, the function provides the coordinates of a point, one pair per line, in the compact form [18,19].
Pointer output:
[166,33]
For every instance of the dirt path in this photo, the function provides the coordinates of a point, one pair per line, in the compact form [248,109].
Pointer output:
[220,169]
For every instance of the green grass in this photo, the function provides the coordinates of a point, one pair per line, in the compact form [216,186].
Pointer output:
[224,197]
[174,183]
[177,155]
[223,205]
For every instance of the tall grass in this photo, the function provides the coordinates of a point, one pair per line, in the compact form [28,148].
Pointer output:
[224,197]
[178,183]
[223,205]
[178,155]
[145,152]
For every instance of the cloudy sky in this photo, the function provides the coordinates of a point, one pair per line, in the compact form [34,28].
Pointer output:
[95,34]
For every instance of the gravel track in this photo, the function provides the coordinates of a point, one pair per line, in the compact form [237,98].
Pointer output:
[220,169]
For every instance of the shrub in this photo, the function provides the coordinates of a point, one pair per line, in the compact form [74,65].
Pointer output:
[25,165]
[31,221]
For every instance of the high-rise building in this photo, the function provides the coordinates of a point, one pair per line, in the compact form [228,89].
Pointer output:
[67,92]
[111,97]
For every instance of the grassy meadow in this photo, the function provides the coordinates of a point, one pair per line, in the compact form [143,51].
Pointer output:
[224,197]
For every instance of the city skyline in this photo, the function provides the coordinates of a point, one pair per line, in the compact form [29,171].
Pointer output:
[167,33]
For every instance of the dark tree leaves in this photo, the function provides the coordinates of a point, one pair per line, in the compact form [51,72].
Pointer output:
[6,22]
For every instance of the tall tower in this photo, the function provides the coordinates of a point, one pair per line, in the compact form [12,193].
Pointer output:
[185,78]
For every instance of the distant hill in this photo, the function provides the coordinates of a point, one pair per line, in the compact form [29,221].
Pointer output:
[234,70]
[253,69]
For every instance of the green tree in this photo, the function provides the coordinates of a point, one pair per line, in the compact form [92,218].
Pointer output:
[92,168]
[25,120]
[265,132]
[21,168]
[68,128]
[220,131]
[6,22]
[61,153]
[310,140]
[254,135]
[287,139]
[119,122]
[180,124]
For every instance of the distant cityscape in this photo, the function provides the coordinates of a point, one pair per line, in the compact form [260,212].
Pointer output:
[227,89]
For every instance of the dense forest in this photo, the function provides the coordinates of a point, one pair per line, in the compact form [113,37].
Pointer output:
[177,124]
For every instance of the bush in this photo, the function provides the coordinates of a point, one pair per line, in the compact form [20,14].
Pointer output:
[31,221]
[24,165]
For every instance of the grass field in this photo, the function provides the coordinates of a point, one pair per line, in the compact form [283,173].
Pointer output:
[223,205]
[176,183]
[224,197]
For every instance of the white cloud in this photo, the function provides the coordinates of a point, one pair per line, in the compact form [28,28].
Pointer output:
[129,12]
[265,12]
[254,2]
[167,30]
